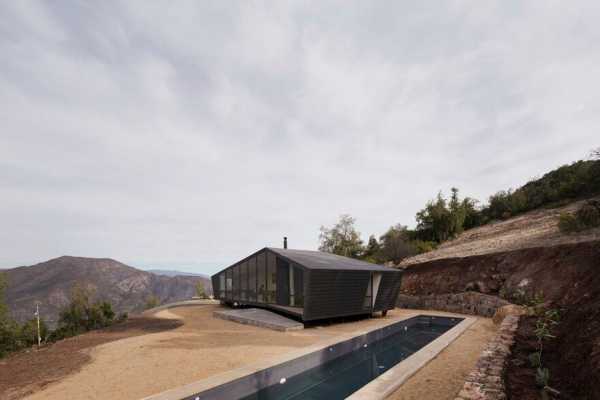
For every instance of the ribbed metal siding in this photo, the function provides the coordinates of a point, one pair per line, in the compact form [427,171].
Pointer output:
[335,293]
[388,291]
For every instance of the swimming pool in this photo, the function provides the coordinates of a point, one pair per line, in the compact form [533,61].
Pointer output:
[339,370]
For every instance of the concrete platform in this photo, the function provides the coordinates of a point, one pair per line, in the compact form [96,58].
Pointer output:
[259,317]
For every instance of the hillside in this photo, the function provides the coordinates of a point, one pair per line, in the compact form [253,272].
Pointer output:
[127,288]
[537,228]
[515,261]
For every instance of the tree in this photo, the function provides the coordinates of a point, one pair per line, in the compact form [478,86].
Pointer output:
[4,316]
[395,244]
[152,301]
[372,251]
[82,315]
[434,222]
[473,215]
[457,213]
[200,292]
[342,238]
[29,332]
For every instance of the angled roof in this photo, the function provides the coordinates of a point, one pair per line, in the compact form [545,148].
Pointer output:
[320,260]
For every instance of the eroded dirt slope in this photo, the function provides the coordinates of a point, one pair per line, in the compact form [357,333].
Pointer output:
[568,277]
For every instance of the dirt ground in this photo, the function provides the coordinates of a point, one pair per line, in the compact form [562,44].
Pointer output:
[443,377]
[138,366]
[30,371]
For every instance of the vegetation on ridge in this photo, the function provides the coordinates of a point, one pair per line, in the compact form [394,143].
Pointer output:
[442,219]
[79,316]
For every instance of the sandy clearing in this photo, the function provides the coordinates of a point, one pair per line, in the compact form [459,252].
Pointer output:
[136,367]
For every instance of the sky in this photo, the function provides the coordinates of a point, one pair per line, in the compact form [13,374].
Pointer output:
[186,135]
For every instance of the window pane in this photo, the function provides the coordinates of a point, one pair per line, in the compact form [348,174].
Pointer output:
[260,273]
[229,283]
[244,280]
[222,285]
[236,282]
[271,278]
[369,295]
[252,279]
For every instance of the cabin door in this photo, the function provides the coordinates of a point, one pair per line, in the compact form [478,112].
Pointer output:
[283,282]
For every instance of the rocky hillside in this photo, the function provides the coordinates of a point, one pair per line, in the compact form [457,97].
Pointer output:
[537,228]
[514,261]
[125,287]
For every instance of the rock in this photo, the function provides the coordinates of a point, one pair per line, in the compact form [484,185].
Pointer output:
[510,309]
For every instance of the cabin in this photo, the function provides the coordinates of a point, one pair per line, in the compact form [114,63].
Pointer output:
[308,285]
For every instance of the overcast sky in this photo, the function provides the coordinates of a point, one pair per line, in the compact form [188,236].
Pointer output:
[188,134]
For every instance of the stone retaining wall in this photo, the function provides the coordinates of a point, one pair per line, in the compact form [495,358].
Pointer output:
[486,381]
[473,303]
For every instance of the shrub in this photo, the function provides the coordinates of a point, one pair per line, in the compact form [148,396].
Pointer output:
[151,302]
[29,332]
[423,246]
[567,223]
[200,292]
[542,377]
[588,216]
[535,359]
[81,315]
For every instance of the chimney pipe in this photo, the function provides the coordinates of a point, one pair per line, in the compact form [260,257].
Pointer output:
[285,242]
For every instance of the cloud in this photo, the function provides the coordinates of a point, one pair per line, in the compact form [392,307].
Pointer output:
[184,133]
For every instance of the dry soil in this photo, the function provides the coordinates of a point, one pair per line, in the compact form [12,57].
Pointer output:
[137,366]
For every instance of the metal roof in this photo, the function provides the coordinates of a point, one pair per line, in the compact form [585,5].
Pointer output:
[320,260]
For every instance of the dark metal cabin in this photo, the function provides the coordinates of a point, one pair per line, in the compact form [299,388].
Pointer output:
[308,285]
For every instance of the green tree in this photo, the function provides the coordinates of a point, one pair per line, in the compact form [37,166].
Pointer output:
[152,301]
[29,332]
[457,214]
[434,222]
[395,244]
[8,327]
[342,238]
[4,315]
[82,315]
[372,251]
[473,215]
[200,292]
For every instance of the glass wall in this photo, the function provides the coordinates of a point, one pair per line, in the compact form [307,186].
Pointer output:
[255,280]
[229,283]
[261,276]
[222,285]
[252,279]
[236,282]
[296,286]
[244,280]
[368,302]
[271,278]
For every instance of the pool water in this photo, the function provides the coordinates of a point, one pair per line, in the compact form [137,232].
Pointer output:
[339,378]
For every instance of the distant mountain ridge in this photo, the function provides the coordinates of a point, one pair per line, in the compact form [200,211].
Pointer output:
[169,272]
[125,287]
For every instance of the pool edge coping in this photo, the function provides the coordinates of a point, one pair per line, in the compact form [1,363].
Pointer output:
[221,378]
[391,380]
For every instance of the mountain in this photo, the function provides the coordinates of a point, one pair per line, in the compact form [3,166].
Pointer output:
[125,287]
[168,272]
